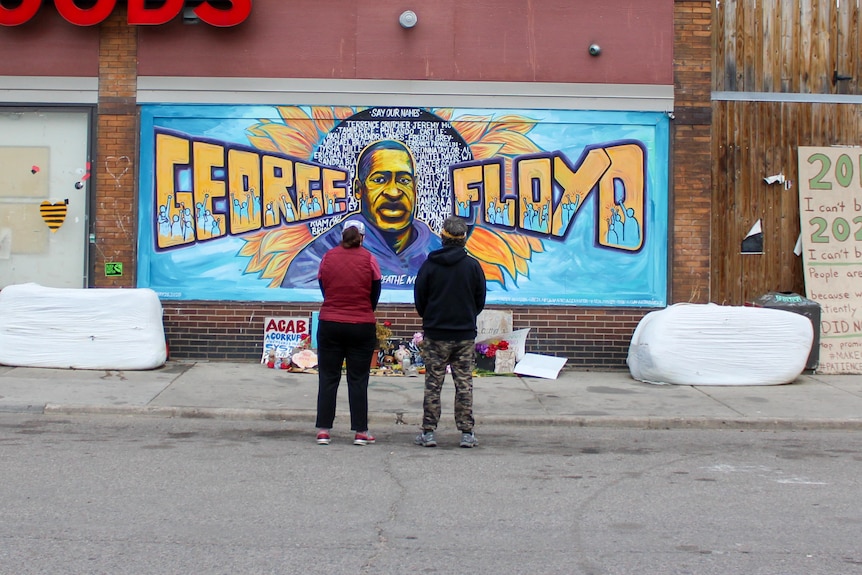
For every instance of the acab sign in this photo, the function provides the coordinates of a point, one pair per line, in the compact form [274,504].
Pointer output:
[139,13]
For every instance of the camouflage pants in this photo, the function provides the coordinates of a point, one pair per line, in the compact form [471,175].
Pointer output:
[460,356]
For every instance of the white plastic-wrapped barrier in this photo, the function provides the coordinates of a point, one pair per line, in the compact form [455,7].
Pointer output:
[81,328]
[709,344]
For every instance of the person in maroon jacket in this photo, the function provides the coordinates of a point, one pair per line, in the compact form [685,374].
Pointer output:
[349,278]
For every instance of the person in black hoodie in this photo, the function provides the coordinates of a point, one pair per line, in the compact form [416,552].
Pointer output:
[449,294]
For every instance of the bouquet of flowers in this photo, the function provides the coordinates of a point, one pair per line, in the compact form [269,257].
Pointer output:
[489,349]
[496,355]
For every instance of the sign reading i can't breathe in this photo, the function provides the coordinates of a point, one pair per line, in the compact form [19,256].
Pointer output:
[830,211]
[283,334]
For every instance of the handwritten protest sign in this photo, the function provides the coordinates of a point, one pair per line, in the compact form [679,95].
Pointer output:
[830,212]
[282,334]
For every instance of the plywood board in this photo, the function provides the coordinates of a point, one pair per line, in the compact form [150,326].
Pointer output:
[26,232]
[25,172]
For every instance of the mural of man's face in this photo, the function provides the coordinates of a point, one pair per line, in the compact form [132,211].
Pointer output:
[388,192]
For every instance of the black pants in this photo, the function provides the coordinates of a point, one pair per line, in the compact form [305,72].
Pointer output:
[337,342]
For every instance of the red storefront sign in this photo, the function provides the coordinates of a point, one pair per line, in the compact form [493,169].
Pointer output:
[139,14]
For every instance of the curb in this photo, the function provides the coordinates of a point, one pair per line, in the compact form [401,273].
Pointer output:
[403,418]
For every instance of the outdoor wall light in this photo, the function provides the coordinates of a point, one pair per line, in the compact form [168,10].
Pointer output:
[595,49]
[408,19]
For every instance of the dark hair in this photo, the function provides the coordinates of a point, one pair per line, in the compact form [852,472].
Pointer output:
[363,163]
[351,238]
[454,232]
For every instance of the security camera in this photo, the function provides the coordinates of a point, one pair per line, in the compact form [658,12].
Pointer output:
[595,50]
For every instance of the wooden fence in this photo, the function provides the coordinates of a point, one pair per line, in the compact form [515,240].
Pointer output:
[787,46]
[785,74]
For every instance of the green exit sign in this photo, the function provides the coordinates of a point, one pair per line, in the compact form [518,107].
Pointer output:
[113,269]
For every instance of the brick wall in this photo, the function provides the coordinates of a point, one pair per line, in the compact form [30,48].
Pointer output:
[691,166]
[113,167]
[589,337]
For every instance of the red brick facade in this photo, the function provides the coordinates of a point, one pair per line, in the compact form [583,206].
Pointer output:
[589,337]
[114,163]
[691,161]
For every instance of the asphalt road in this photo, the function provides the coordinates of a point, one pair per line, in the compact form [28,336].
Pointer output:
[141,495]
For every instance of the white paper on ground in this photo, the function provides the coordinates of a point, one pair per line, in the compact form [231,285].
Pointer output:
[536,365]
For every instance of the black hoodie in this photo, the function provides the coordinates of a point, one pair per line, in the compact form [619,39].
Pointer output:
[449,294]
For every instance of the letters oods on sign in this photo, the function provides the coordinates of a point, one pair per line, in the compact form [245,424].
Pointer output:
[140,12]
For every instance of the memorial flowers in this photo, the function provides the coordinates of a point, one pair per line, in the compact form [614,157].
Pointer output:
[495,356]
[489,349]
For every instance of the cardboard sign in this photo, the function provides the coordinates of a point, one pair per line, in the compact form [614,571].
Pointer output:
[493,323]
[830,213]
[283,334]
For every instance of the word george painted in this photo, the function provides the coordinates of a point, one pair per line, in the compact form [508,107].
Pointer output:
[139,12]
[206,190]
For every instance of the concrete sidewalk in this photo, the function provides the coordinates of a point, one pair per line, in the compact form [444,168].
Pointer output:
[576,398]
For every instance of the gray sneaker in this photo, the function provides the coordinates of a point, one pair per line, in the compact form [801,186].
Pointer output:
[468,439]
[426,439]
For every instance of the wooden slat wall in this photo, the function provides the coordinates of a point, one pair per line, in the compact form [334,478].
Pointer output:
[779,46]
[792,46]
[752,140]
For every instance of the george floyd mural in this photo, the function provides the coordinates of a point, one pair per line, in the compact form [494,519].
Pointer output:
[564,207]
